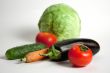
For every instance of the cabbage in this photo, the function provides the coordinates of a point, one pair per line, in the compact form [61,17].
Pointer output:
[61,20]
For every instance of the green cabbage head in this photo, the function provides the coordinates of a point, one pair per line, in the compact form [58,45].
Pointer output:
[61,20]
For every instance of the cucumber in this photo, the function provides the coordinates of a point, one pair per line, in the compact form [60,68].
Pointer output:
[20,51]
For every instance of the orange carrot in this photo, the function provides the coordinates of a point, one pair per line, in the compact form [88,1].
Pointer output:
[36,55]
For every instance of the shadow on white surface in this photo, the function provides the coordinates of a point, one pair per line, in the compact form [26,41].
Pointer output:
[66,64]
[3,57]
[27,34]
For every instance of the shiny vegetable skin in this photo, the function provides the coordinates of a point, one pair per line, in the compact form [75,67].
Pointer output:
[46,38]
[20,51]
[79,55]
[65,45]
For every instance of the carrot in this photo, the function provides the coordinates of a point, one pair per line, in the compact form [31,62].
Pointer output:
[35,56]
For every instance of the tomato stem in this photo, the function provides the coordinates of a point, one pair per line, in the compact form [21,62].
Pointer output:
[83,47]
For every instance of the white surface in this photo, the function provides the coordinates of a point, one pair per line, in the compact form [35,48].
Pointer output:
[18,26]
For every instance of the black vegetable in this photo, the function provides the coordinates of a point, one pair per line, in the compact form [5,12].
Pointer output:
[65,45]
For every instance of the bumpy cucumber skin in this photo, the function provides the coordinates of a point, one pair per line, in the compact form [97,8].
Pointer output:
[20,51]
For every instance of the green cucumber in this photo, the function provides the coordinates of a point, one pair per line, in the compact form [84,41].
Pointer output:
[20,51]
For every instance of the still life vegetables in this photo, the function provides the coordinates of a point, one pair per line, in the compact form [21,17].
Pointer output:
[57,40]
[65,45]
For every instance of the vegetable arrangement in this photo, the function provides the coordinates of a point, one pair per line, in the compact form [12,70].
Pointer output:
[59,26]
[64,47]
[79,51]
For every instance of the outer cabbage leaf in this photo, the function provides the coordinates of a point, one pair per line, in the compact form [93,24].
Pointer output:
[61,20]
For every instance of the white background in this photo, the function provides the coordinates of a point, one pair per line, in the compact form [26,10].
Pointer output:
[18,26]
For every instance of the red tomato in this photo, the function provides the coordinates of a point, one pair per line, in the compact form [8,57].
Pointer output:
[80,55]
[46,38]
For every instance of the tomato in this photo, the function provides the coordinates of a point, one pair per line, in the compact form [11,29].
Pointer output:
[46,38]
[79,55]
